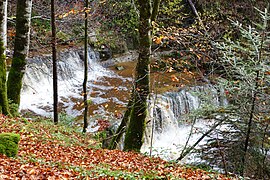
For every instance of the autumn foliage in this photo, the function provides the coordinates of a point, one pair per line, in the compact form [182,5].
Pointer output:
[48,151]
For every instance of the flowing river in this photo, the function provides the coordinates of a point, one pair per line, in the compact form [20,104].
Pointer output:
[107,90]
[167,129]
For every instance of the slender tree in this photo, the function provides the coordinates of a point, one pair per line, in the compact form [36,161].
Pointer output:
[3,89]
[21,48]
[54,60]
[85,123]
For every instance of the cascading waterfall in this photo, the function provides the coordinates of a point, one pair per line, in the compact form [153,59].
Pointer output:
[37,92]
[167,112]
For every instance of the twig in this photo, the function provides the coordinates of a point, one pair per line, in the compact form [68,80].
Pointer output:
[189,136]
[196,13]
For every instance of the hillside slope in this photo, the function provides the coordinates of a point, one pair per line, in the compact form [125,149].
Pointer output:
[48,151]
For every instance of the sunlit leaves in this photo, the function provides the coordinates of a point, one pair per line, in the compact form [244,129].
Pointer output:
[174,78]
[74,12]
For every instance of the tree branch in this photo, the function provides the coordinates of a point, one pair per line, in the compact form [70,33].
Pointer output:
[199,140]
[196,13]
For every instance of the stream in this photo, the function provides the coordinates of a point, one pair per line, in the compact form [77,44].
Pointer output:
[109,90]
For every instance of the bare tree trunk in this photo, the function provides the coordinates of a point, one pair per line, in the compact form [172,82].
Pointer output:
[85,123]
[250,121]
[21,47]
[54,60]
[3,88]
[197,14]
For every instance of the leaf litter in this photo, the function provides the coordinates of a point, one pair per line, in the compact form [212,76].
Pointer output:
[48,151]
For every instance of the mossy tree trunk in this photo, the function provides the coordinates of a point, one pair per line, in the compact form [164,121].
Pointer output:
[3,88]
[156,4]
[136,128]
[21,47]
[123,126]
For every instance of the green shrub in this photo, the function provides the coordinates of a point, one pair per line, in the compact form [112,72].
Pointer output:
[9,144]
[66,119]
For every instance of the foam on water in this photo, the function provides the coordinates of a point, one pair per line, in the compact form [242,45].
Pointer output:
[167,120]
[166,111]
[37,93]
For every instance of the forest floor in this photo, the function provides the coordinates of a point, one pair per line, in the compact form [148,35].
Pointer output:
[48,151]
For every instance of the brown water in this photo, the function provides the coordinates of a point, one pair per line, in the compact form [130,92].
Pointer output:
[118,94]
[109,92]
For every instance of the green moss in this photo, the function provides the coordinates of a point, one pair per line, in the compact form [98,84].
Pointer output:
[2,149]
[16,75]
[13,109]
[134,135]
[9,144]
[3,88]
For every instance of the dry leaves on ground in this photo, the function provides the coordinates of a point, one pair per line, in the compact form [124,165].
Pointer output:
[48,151]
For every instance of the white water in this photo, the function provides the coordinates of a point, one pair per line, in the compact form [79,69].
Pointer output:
[171,131]
[37,93]
[167,111]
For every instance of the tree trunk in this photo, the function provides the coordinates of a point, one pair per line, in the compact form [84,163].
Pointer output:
[21,47]
[3,88]
[123,126]
[250,121]
[85,123]
[54,60]
[136,128]
[156,4]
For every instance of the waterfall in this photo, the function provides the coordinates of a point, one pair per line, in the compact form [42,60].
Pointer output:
[167,118]
[37,91]
[167,112]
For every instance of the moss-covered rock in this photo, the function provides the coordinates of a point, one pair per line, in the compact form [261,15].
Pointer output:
[2,149]
[9,144]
